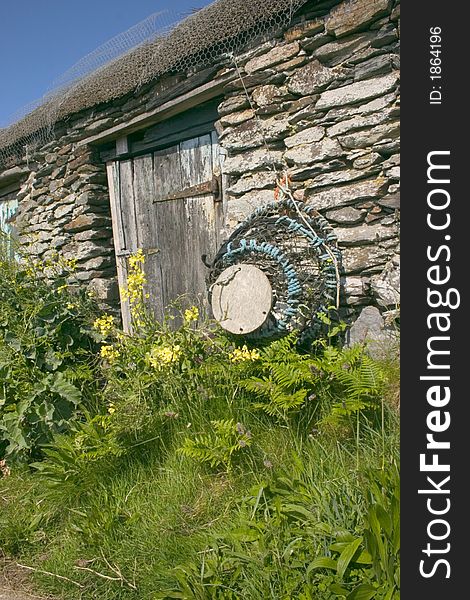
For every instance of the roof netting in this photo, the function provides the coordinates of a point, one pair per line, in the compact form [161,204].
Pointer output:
[142,54]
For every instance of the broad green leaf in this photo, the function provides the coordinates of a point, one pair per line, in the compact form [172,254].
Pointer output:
[362,592]
[347,555]
[12,341]
[364,558]
[384,519]
[67,390]
[297,509]
[339,590]
[322,562]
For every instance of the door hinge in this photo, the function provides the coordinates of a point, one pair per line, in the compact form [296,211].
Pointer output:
[214,187]
[126,253]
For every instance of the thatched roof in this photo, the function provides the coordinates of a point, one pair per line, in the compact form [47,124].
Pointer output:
[222,27]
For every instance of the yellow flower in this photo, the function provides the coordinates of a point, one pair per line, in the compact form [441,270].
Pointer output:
[135,279]
[243,354]
[160,356]
[104,324]
[71,306]
[61,288]
[191,314]
[137,259]
[109,353]
[111,408]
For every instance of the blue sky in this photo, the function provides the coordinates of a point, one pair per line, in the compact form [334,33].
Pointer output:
[42,39]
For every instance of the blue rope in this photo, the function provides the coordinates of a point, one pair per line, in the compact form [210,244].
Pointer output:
[318,223]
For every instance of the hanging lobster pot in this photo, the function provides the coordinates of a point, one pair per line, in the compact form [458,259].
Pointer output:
[276,273]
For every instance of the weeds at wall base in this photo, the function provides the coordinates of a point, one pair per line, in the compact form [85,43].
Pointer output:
[195,470]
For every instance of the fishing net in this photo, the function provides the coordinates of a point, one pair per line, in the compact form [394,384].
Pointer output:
[296,248]
[156,46]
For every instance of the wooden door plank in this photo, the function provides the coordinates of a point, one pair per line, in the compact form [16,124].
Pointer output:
[127,205]
[144,194]
[112,170]
[197,166]
[170,226]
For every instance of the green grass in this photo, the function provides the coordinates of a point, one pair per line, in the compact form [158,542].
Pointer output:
[188,473]
[144,515]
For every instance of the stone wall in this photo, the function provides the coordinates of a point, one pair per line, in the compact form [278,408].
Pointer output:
[327,101]
[323,104]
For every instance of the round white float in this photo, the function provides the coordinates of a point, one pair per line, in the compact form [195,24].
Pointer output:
[241,298]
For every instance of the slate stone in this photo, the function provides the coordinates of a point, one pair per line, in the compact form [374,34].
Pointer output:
[233,104]
[386,286]
[339,51]
[355,289]
[390,201]
[363,258]
[351,16]
[385,36]
[363,234]
[346,216]
[365,139]
[359,122]
[254,181]
[253,133]
[307,28]
[239,208]
[373,67]
[370,329]
[106,290]
[367,160]
[310,79]
[347,194]
[237,117]
[292,64]
[63,210]
[83,222]
[98,125]
[307,154]
[312,44]
[277,55]
[265,95]
[342,176]
[312,171]
[251,161]
[306,136]
[357,92]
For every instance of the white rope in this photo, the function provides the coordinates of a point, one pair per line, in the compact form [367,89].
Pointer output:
[286,191]
[257,118]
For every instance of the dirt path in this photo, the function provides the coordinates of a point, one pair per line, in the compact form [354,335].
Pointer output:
[6,594]
[15,583]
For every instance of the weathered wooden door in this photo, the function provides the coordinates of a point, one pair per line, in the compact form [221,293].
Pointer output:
[167,203]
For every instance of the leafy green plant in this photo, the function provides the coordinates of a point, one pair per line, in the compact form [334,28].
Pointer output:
[357,378]
[70,459]
[113,508]
[373,558]
[218,447]
[47,357]
[382,530]
[346,381]
[268,551]
[285,378]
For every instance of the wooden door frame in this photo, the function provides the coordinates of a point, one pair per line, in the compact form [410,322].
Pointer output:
[192,95]
[113,168]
